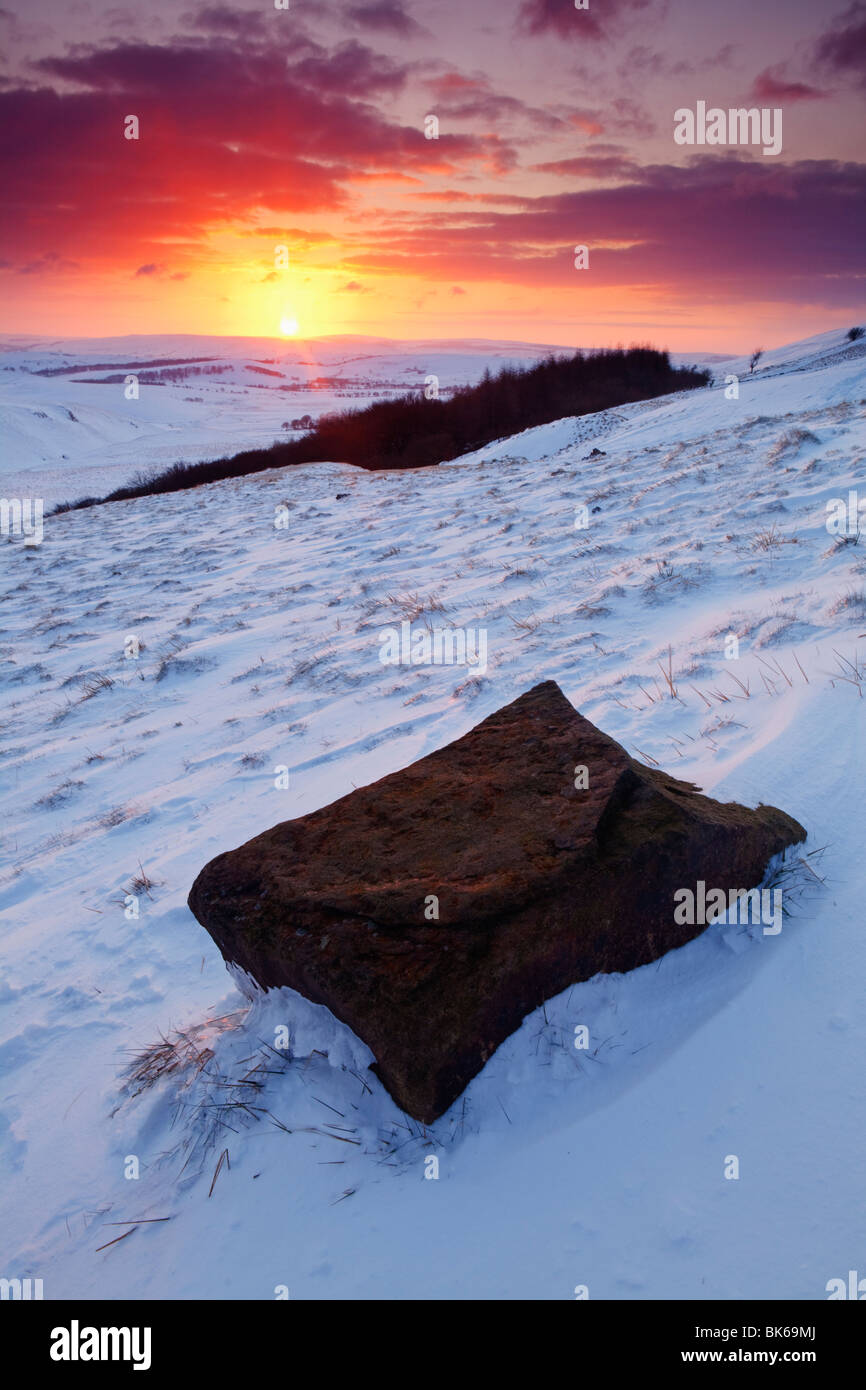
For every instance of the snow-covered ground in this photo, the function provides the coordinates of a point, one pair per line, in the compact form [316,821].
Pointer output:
[70,426]
[258,648]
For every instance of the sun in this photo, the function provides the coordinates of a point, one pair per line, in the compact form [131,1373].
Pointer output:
[288,327]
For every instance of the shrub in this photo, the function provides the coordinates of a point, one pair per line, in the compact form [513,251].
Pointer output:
[414,432]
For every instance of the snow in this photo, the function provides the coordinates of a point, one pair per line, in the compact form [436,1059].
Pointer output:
[260,649]
[68,432]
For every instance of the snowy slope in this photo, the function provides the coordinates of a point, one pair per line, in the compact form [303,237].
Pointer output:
[68,430]
[259,649]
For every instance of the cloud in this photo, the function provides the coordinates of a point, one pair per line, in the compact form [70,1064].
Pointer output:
[587,121]
[154,270]
[45,264]
[843,48]
[771,85]
[300,235]
[560,17]
[245,136]
[589,166]
[352,70]
[459,195]
[386,16]
[465,98]
[226,131]
[720,229]
[222,19]
[642,61]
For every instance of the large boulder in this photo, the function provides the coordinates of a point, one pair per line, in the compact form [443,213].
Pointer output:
[541,875]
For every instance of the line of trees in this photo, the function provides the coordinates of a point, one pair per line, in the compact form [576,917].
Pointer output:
[107,366]
[414,432]
[158,378]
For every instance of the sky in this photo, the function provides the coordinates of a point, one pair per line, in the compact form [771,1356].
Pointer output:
[426,168]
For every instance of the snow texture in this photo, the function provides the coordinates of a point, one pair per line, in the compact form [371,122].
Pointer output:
[258,649]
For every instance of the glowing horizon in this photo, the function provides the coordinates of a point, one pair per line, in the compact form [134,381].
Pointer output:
[228,170]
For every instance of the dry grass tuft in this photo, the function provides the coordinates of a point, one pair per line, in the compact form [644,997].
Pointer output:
[185,1051]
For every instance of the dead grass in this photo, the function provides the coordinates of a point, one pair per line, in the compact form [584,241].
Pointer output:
[668,675]
[468,689]
[412,606]
[526,625]
[61,794]
[796,874]
[841,543]
[852,604]
[720,725]
[851,672]
[791,440]
[184,1053]
[770,538]
[142,883]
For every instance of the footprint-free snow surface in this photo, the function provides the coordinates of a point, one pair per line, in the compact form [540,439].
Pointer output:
[180,672]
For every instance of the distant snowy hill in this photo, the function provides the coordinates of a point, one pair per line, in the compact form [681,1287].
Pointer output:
[68,429]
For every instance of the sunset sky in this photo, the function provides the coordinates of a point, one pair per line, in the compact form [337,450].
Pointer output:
[305,127]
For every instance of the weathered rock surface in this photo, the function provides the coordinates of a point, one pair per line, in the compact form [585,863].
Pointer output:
[539,885]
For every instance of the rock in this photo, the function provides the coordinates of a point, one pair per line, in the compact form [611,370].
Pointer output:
[542,877]
[596,454]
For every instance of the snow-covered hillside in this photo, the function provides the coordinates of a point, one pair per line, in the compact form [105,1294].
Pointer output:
[253,647]
[70,428]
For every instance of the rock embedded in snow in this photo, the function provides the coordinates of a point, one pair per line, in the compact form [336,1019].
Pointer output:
[435,908]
